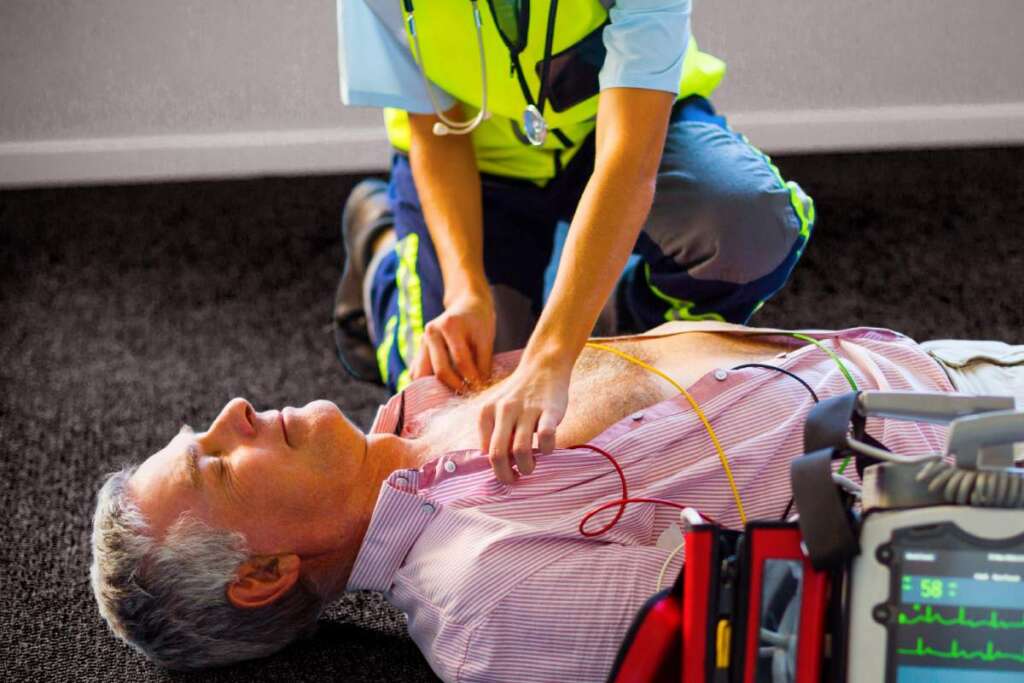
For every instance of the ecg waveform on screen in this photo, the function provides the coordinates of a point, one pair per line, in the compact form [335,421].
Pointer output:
[932,616]
[989,654]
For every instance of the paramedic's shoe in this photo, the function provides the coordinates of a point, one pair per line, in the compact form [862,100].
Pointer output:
[366,216]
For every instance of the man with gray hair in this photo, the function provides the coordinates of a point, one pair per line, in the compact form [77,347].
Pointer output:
[226,544]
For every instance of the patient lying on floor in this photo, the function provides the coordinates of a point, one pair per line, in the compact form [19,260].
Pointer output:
[227,544]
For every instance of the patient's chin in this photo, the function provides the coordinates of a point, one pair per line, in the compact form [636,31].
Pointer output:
[327,429]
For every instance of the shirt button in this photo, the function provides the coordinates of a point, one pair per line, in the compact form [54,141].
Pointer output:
[428,508]
[449,466]
[637,417]
[401,481]
[721,375]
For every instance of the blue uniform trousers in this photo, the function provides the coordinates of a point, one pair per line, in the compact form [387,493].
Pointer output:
[724,233]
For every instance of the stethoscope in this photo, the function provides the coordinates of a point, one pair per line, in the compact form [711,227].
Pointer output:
[534,125]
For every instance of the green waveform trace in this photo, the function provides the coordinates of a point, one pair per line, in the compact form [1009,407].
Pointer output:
[931,616]
[989,654]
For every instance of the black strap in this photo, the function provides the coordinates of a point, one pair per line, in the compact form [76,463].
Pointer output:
[826,523]
[549,41]
[542,94]
[829,422]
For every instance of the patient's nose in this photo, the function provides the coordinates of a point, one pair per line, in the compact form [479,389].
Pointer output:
[234,423]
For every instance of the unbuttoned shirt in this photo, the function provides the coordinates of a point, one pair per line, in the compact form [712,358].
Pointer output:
[496,580]
[645,42]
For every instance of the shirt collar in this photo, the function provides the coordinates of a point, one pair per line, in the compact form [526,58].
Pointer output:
[398,519]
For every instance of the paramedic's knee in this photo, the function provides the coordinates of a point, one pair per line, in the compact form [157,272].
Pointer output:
[721,211]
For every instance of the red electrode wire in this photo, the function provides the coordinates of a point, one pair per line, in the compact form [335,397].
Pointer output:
[621,503]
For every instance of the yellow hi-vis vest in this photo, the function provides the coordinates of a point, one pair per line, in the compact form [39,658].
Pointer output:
[452,61]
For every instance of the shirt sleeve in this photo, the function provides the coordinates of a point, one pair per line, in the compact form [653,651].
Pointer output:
[566,620]
[646,41]
[374,64]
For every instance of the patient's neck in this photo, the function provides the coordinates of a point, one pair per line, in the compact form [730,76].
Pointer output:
[383,454]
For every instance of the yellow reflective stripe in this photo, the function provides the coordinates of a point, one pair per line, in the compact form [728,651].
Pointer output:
[410,303]
[384,350]
[805,212]
[679,309]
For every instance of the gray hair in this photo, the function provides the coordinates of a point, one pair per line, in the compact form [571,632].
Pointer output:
[168,599]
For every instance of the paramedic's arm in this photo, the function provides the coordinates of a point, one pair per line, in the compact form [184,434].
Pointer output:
[457,345]
[631,128]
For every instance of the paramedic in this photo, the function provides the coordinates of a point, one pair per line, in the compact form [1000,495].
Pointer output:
[507,122]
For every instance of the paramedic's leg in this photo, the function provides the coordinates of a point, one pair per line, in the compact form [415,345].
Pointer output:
[724,232]
[407,289]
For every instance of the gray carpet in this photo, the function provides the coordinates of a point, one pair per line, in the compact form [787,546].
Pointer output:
[125,311]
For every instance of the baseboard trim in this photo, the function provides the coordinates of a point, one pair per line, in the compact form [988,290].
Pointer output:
[347,150]
[191,157]
[880,128]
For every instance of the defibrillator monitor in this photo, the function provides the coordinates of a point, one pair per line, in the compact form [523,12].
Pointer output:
[938,596]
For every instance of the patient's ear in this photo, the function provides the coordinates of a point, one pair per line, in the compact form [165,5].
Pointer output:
[259,581]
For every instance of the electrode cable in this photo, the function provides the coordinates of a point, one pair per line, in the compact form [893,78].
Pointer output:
[700,414]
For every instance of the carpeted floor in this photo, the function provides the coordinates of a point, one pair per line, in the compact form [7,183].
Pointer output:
[125,311]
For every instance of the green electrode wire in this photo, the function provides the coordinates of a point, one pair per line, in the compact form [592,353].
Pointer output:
[842,368]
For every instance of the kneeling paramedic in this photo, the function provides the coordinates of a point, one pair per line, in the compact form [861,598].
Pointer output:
[507,118]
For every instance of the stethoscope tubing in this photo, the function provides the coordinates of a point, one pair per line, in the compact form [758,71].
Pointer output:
[445,125]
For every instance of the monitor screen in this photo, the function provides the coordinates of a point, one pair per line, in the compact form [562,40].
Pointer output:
[957,607]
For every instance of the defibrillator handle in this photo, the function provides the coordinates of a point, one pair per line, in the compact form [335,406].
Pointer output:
[933,408]
[985,441]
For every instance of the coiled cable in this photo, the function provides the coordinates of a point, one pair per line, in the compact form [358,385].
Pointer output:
[980,488]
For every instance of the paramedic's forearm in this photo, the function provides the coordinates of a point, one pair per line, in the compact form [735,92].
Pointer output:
[608,219]
[456,346]
[448,184]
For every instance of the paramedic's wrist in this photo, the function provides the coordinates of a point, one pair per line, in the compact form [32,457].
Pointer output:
[553,357]
[468,286]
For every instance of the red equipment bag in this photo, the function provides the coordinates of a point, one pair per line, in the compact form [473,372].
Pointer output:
[652,649]
[780,619]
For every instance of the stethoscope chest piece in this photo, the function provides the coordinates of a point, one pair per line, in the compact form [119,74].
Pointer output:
[534,125]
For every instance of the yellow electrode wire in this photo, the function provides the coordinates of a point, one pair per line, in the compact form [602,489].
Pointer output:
[696,409]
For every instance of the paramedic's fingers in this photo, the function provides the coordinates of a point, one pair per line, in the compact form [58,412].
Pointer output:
[439,359]
[420,365]
[485,426]
[535,389]
[522,441]
[546,427]
[465,334]
[460,353]
[506,414]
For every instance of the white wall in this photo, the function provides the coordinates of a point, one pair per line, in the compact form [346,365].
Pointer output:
[115,90]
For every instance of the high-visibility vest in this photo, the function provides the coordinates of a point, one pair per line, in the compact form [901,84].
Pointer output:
[451,60]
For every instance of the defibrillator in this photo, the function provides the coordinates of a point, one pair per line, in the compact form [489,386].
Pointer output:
[914,575]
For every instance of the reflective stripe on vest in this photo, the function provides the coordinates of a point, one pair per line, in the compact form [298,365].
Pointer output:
[452,62]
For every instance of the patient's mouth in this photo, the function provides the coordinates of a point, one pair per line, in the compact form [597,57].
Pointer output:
[284,428]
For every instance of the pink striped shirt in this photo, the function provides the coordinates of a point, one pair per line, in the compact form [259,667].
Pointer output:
[496,580]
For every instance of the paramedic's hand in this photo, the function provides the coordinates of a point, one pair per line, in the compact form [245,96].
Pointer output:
[531,400]
[457,345]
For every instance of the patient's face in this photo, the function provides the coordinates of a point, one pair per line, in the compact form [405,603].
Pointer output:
[276,476]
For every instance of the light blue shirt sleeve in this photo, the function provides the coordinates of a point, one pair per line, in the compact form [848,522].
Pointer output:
[646,41]
[374,64]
